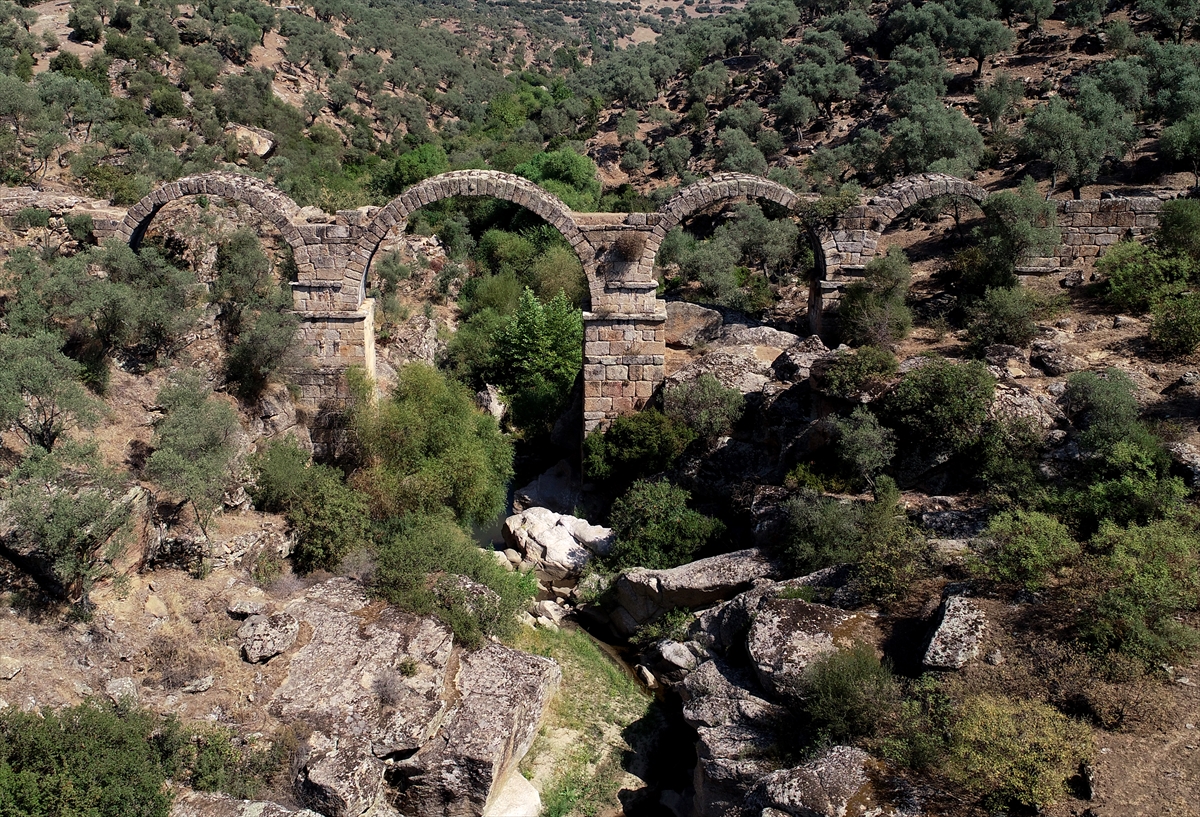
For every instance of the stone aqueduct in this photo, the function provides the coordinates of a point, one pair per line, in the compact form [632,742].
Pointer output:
[625,344]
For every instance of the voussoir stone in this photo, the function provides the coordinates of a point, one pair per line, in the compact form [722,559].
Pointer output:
[264,637]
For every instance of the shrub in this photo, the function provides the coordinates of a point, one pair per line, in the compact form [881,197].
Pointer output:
[1009,454]
[427,447]
[705,406]
[820,532]
[1017,226]
[864,447]
[848,694]
[31,217]
[419,547]
[1015,752]
[167,101]
[1175,324]
[1026,547]
[79,226]
[1140,581]
[270,345]
[1003,316]
[635,446]
[1179,228]
[1139,276]
[873,310]
[942,401]
[852,372]
[655,528]
[918,737]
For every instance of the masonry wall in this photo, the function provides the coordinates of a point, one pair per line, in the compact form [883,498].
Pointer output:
[623,360]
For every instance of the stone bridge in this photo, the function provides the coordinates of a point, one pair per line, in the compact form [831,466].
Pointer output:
[624,345]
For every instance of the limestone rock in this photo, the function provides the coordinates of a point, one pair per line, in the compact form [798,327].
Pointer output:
[1053,360]
[746,368]
[1016,403]
[796,362]
[1185,455]
[516,797]
[9,667]
[958,637]
[197,804]
[689,324]
[341,778]
[121,689]
[502,694]
[156,607]
[252,141]
[644,595]
[833,785]
[556,490]
[558,545]
[741,335]
[488,400]
[243,608]
[786,636]
[736,729]
[264,637]
[348,672]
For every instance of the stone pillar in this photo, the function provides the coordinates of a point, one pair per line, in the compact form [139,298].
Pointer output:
[623,360]
[335,340]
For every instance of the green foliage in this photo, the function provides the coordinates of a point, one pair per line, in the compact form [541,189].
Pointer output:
[418,546]
[848,695]
[268,346]
[67,507]
[194,446]
[1175,324]
[1076,140]
[655,528]
[567,175]
[852,372]
[329,518]
[418,164]
[536,357]
[1138,276]
[705,406]
[1178,223]
[40,393]
[1003,316]
[427,447]
[998,100]
[1009,453]
[873,310]
[919,736]
[1140,581]
[1018,226]
[864,447]
[932,136]
[1026,548]
[942,401]
[1015,752]
[672,625]
[634,446]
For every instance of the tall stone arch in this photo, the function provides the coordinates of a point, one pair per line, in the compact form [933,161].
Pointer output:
[491,183]
[267,199]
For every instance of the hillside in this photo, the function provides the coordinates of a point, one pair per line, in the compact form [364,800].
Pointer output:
[591,408]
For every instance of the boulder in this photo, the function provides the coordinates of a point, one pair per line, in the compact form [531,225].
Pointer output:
[196,804]
[644,595]
[796,362]
[737,729]
[1053,360]
[264,637]
[252,141]
[745,368]
[836,784]
[689,324]
[786,636]
[556,490]
[1186,456]
[340,777]
[558,546]
[9,667]
[958,638]
[244,608]
[356,670]
[738,334]
[489,402]
[501,695]
[516,797]
[122,689]
[1016,403]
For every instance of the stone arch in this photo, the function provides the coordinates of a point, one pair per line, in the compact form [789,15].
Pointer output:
[267,199]
[490,183]
[724,186]
[893,199]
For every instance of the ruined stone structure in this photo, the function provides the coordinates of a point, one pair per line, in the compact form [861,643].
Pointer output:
[624,339]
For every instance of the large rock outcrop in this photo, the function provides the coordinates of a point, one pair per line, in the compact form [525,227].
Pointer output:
[644,595]
[787,635]
[195,804]
[555,546]
[959,637]
[835,784]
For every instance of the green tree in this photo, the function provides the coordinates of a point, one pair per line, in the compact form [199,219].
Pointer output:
[873,310]
[1003,316]
[705,406]
[655,528]
[421,163]
[194,446]
[864,446]
[566,174]
[1017,226]
[998,100]
[634,446]
[980,38]
[1173,16]
[942,402]
[40,393]
[1181,142]
[821,73]
[931,134]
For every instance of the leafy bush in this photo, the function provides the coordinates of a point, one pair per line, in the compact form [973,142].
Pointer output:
[873,310]
[1139,276]
[918,737]
[705,406]
[31,217]
[852,372]
[1009,454]
[942,401]
[848,694]
[1003,316]
[79,226]
[1175,325]
[427,447]
[1015,752]
[1026,547]
[655,528]
[416,550]
[1017,226]
[635,446]
[330,519]
[864,447]
[1179,228]
[1141,579]
[269,346]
